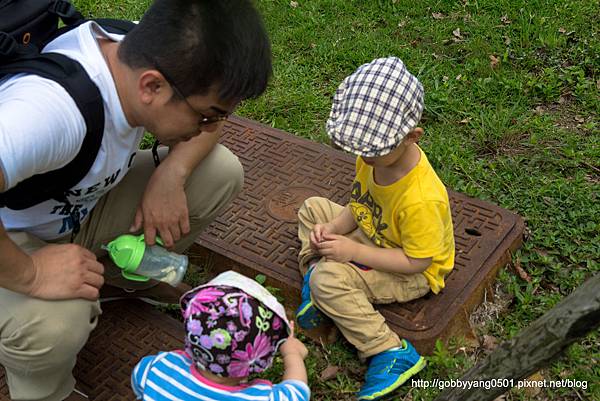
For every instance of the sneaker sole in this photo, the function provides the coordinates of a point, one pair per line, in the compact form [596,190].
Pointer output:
[417,367]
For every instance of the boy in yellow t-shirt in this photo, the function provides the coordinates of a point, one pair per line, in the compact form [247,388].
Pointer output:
[394,240]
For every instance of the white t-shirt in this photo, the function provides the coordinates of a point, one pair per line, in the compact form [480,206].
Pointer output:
[41,129]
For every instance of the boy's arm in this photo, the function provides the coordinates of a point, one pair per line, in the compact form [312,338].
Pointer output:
[392,260]
[344,222]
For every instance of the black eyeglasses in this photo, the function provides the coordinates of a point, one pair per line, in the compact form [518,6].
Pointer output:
[203,119]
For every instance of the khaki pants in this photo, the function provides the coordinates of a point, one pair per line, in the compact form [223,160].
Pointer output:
[346,293]
[40,340]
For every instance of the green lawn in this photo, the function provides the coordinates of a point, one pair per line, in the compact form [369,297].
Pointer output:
[512,102]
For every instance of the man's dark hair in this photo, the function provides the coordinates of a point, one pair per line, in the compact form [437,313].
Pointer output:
[199,43]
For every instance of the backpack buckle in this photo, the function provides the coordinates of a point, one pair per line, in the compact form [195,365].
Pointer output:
[62,8]
[8,44]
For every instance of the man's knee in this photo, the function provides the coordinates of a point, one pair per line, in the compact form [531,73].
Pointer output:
[51,335]
[215,182]
[226,169]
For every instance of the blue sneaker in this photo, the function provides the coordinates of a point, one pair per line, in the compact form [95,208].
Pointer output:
[389,370]
[307,314]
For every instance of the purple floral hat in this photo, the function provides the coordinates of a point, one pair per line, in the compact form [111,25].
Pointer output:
[233,332]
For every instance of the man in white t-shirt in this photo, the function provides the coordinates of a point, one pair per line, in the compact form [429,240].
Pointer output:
[178,74]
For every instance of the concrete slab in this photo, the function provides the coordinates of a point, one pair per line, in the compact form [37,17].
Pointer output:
[257,234]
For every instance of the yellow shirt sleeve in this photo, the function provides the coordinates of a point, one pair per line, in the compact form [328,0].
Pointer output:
[423,231]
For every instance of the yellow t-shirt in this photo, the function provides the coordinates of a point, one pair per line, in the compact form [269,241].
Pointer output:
[413,214]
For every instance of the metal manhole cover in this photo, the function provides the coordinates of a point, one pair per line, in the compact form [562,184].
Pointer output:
[257,233]
[284,203]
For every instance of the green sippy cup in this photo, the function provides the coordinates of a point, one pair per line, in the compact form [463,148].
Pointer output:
[141,262]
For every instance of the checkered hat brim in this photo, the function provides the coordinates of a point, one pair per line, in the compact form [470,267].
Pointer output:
[375,107]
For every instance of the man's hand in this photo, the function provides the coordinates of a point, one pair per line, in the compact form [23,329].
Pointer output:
[66,271]
[337,248]
[163,208]
[317,234]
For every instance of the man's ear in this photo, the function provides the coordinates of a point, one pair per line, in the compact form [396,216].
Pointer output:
[151,84]
[414,136]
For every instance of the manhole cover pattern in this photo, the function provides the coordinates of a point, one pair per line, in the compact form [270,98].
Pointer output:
[126,332]
[280,166]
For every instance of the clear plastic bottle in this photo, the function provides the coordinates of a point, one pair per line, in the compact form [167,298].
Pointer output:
[140,262]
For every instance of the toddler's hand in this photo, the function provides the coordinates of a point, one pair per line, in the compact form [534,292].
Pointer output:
[293,346]
[337,248]
[318,233]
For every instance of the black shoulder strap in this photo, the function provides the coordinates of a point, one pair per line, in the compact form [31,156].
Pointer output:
[71,76]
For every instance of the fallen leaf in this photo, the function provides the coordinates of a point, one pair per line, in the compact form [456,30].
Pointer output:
[330,372]
[579,119]
[401,24]
[521,272]
[438,15]
[505,20]
[562,30]
[533,390]
[506,40]
[445,78]
[458,77]
[456,33]
[293,4]
[465,120]
[494,61]
[489,342]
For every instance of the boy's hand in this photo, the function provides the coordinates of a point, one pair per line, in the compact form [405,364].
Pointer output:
[317,235]
[293,346]
[337,248]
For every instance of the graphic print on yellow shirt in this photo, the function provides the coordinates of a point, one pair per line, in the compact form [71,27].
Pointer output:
[413,213]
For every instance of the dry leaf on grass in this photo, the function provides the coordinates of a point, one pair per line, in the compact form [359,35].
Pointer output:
[438,15]
[494,61]
[293,4]
[457,33]
[531,389]
[521,272]
[489,342]
[330,372]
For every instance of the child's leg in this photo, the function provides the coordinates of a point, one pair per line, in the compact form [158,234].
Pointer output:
[346,293]
[315,210]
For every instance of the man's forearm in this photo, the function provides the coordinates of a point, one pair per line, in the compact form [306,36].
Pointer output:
[185,156]
[392,260]
[14,264]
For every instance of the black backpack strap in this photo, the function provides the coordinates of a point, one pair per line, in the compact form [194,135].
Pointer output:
[75,80]
[66,11]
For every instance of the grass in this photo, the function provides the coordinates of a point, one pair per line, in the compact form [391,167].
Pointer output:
[512,100]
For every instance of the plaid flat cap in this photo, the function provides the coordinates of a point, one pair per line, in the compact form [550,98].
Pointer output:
[375,107]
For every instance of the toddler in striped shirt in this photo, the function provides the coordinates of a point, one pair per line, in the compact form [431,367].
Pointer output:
[234,327]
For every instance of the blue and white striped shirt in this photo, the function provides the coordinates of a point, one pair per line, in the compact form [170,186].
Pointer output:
[168,376]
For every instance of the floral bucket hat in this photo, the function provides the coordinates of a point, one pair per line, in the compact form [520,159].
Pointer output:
[233,325]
